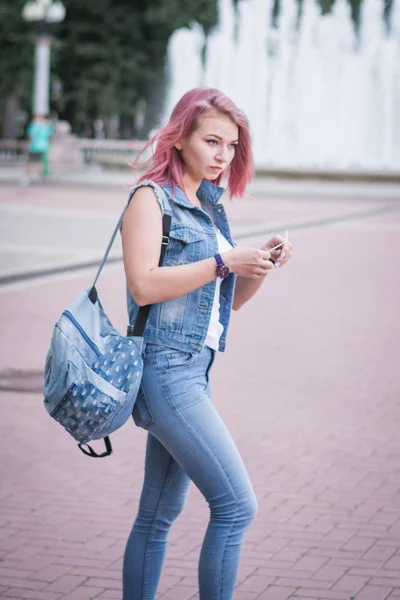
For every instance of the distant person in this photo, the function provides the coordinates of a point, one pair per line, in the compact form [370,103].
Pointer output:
[205,275]
[99,132]
[39,133]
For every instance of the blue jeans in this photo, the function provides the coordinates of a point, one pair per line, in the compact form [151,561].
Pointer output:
[187,441]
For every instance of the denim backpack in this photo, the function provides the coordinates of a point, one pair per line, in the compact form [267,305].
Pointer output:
[92,372]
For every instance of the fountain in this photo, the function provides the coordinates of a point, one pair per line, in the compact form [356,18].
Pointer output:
[317,95]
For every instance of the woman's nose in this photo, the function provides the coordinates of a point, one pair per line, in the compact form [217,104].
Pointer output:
[222,154]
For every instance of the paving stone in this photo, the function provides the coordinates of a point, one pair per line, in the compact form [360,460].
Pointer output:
[23,582]
[310,563]
[23,594]
[83,592]
[371,592]
[321,594]
[360,543]
[256,584]
[351,583]
[179,592]
[66,583]
[110,595]
[329,573]
[276,593]
[50,573]
[112,584]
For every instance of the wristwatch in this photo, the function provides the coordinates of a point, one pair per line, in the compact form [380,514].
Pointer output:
[222,269]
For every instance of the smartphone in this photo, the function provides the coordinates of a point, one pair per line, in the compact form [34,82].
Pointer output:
[278,246]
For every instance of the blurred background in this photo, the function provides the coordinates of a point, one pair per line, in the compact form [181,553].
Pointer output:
[313,402]
[319,79]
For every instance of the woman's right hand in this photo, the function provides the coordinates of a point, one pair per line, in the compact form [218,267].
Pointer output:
[252,263]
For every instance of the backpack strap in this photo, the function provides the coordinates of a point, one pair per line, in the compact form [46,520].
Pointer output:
[166,210]
[94,454]
[143,312]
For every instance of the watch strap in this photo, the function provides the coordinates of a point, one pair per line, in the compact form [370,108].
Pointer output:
[220,262]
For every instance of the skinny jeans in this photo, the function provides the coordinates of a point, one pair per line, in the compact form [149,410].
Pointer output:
[187,441]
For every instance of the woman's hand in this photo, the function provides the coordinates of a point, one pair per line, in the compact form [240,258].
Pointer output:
[252,263]
[281,255]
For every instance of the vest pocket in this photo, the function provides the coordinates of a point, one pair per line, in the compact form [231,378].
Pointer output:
[184,246]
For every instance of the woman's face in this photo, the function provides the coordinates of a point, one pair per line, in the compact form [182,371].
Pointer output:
[210,148]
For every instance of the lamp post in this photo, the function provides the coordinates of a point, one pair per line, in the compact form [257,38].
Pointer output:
[44,16]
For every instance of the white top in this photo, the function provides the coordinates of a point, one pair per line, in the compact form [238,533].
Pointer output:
[215,328]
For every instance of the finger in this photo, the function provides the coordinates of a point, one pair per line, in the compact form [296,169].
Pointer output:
[266,266]
[277,239]
[265,254]
[275,255]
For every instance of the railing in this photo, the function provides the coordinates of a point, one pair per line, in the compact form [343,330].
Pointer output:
[13,151]
[109,152]
[105,152]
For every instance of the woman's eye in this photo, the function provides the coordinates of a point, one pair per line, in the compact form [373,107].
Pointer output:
[212,142]
[234,146]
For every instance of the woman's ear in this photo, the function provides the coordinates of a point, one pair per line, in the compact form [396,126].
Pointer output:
[178,146]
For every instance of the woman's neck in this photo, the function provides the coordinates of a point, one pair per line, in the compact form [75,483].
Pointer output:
[190,187]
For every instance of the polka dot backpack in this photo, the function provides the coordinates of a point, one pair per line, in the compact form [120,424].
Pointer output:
[92,372]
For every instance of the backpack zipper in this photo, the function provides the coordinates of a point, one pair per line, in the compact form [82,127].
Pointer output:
[83,333]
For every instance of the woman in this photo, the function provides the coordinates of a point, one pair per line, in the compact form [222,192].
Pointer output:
[203,276]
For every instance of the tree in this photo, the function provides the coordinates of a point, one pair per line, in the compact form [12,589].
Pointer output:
[108,58]
[111,57]
[15,66]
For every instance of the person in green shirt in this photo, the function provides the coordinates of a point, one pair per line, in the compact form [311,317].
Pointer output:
[39,132]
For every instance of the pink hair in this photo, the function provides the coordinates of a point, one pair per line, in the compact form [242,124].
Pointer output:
[166,166]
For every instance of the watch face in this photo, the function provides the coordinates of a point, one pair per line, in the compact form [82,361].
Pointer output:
[222,271]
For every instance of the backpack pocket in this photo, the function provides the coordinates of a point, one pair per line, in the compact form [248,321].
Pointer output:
[88,405]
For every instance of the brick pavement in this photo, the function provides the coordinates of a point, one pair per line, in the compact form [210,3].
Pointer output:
[314,409]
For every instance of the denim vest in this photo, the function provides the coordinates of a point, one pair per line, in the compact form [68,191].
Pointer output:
[183,322]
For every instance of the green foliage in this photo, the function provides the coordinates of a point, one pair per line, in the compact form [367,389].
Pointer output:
[16,52]
[111,56]
[108,57]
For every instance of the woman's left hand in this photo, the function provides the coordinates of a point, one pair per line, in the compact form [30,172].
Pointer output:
[283,254]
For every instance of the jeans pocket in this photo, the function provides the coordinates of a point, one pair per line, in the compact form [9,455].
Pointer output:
[141,413]
[172,360]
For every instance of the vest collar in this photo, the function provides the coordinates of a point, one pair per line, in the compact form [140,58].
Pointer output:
[207,192]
